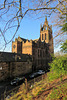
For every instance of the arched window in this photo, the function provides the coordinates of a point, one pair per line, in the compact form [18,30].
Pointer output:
[45,36]
[42,37]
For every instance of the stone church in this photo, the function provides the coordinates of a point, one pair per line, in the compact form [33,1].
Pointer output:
[40,49]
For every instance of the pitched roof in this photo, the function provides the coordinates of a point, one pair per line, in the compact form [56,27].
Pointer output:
[35,39]
[11,57]
[22,39]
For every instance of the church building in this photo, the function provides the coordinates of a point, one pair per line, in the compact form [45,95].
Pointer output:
[40,49]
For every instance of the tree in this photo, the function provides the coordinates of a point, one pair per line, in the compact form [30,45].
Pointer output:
[64,47]
[58,67]
[64,27]
[14,11]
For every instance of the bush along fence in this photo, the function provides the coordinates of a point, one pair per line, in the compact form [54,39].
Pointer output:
[28,85]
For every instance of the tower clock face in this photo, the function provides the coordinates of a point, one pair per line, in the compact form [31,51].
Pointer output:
[14,46]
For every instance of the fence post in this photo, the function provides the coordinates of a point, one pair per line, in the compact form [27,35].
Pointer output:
[26,84]
[34,80]
[42,76]
[5,95]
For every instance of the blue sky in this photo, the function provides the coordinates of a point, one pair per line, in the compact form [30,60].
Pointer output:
[29,29]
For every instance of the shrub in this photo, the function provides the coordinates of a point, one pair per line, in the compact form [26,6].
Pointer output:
[58,67]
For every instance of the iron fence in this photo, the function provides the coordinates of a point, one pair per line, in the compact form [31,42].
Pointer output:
[7,94]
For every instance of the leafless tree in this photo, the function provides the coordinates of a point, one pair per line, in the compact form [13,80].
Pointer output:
[13,11]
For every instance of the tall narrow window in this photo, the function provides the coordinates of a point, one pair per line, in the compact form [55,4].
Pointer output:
[45,36]
[42,37]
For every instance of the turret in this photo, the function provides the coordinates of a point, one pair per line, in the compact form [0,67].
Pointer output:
[44,34]
[46,22]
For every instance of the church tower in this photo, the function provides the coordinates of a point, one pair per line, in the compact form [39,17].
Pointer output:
[46,35]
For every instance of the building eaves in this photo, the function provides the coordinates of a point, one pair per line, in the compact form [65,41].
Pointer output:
[12,57]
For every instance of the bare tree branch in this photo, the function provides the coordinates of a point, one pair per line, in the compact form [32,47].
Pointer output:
[21,8]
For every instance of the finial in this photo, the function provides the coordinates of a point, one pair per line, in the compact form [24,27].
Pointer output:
[40,26]
[45,18]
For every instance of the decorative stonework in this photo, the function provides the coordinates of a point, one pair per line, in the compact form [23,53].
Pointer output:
[14,46]
[45,42]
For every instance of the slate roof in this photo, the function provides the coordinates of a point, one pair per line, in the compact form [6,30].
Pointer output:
[12,57]
[24,39]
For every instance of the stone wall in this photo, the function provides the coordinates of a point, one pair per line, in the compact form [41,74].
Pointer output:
[18,68]
[4,70]
[27,47]
[13,69]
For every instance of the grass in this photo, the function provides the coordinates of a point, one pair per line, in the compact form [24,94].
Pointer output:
[58,93]
[44,90]
[52,87]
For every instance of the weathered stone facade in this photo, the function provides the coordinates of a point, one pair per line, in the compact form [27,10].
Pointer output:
[40,49]
[28,55]
[12,65]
